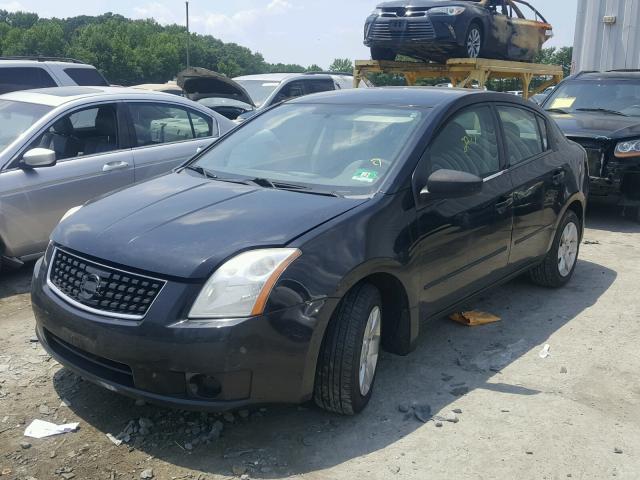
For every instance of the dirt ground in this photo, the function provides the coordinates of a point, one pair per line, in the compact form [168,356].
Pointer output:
[574,414]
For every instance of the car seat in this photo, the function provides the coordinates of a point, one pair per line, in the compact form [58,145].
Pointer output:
[455,149]
[61,139]
[105,139]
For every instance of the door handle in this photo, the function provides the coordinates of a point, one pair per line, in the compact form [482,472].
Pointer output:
[558,177]
[111,166]
[503,204]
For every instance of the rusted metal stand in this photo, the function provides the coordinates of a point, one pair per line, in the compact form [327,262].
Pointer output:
[462,72]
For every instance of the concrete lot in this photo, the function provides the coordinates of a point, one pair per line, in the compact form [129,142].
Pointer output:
[523,416]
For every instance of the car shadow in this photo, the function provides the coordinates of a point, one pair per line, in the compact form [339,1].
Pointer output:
[15,281]
[610,219]
[450,360]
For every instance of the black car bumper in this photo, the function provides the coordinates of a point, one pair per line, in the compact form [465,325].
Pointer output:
[421,37]
[260,360]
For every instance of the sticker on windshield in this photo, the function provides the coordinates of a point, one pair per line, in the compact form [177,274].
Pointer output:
[566,102]
[376,162]
[363,175]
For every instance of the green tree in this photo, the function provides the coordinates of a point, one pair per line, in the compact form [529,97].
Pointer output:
[341,65]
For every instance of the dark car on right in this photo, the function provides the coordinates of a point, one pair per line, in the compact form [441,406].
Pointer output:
[601,112]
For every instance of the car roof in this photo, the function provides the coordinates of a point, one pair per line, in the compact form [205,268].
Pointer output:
[617,74]
[279,77]
[57,96]
[394,96]
[24,62]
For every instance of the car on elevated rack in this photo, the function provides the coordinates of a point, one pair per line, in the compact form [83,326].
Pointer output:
[62,146]
[275,265]
[442,29]
[601,112]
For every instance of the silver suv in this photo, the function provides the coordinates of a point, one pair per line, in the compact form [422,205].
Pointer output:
[60,147]
[24,73]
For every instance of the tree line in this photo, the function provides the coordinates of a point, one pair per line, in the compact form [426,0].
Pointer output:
[130,52]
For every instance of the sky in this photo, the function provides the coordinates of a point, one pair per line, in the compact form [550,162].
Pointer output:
[286,31]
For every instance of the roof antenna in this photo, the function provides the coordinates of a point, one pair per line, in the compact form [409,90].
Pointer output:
[186,4]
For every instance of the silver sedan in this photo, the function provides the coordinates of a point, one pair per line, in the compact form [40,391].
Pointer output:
[60,147]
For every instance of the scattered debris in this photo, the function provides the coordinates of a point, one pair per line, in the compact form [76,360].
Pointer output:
[422,412]
[617,450]
[459,391]
[44,409]
[25,445]
[474,318]
[42,429]
[147,474]
[591,242]
[563,369]
[439,424]
[544,353]
[403,408]
[116,441]
[457,410]
[450,417]
[496,357]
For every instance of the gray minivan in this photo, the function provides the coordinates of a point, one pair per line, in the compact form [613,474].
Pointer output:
[60,147]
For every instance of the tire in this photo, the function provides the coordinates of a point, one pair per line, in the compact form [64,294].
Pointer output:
[340,386]
[473,42]
[383,54]
[555,271]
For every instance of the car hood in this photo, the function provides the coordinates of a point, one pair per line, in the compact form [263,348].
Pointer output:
[182,225]
[594,124]
[201,83]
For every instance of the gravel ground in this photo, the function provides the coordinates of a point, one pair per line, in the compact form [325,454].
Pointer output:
[574,414]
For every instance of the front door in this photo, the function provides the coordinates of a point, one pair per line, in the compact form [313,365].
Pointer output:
[166,135]
[91,161]
[463,243]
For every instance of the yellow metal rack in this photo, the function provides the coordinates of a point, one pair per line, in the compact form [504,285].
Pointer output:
[462,72]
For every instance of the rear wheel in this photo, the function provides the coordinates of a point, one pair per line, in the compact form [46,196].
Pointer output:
[473,41]
[384,54]
[560,263]
[349,354]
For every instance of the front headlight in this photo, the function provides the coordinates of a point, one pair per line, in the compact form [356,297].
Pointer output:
[241,286]
[452,11]
[629,148]
[70,212]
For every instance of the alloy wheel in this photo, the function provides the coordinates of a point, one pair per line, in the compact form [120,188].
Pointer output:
[370,351]
[568,249]
[474,42]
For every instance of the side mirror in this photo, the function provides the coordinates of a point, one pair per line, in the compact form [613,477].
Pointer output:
[452,184]
[39,157]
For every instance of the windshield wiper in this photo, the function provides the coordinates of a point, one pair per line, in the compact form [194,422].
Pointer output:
[293,187]
[202,171]
[557,110]
[603,110]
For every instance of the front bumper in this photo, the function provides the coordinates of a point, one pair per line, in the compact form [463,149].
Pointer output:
[618,183]
[163,359]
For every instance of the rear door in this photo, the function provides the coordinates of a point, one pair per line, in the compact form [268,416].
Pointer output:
[538,174]
[92,159]
[164,135]
[528,33]
[464,243]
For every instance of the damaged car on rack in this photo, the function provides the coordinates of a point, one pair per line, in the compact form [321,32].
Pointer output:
[438,30]
[601,112]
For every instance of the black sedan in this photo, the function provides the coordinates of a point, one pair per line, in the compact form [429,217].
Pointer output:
[601,111]
[275,265]
[438,30]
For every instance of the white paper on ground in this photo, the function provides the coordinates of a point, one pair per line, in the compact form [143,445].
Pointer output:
[544,353]
[42,429]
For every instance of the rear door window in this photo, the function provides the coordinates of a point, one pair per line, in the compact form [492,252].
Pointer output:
[86,77]
[157,123]
[521,133]
[24,78]
[202,125]
[315,86]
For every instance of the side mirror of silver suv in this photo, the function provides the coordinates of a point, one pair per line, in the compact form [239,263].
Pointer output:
[39,157]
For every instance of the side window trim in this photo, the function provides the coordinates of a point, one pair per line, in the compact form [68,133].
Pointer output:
[12,164]
[215,127]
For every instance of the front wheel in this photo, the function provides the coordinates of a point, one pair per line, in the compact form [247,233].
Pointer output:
[473,42]
[348,358]
[560,263]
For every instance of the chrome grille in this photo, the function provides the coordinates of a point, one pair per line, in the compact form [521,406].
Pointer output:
[101,289]
[395,12]
[412,31]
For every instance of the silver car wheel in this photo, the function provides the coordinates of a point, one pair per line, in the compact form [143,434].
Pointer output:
[370,350]
[474,42]
[568,249]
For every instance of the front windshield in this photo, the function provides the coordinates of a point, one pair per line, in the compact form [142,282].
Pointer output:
[343,149]
[258,90]
[621,96]
[16,117]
